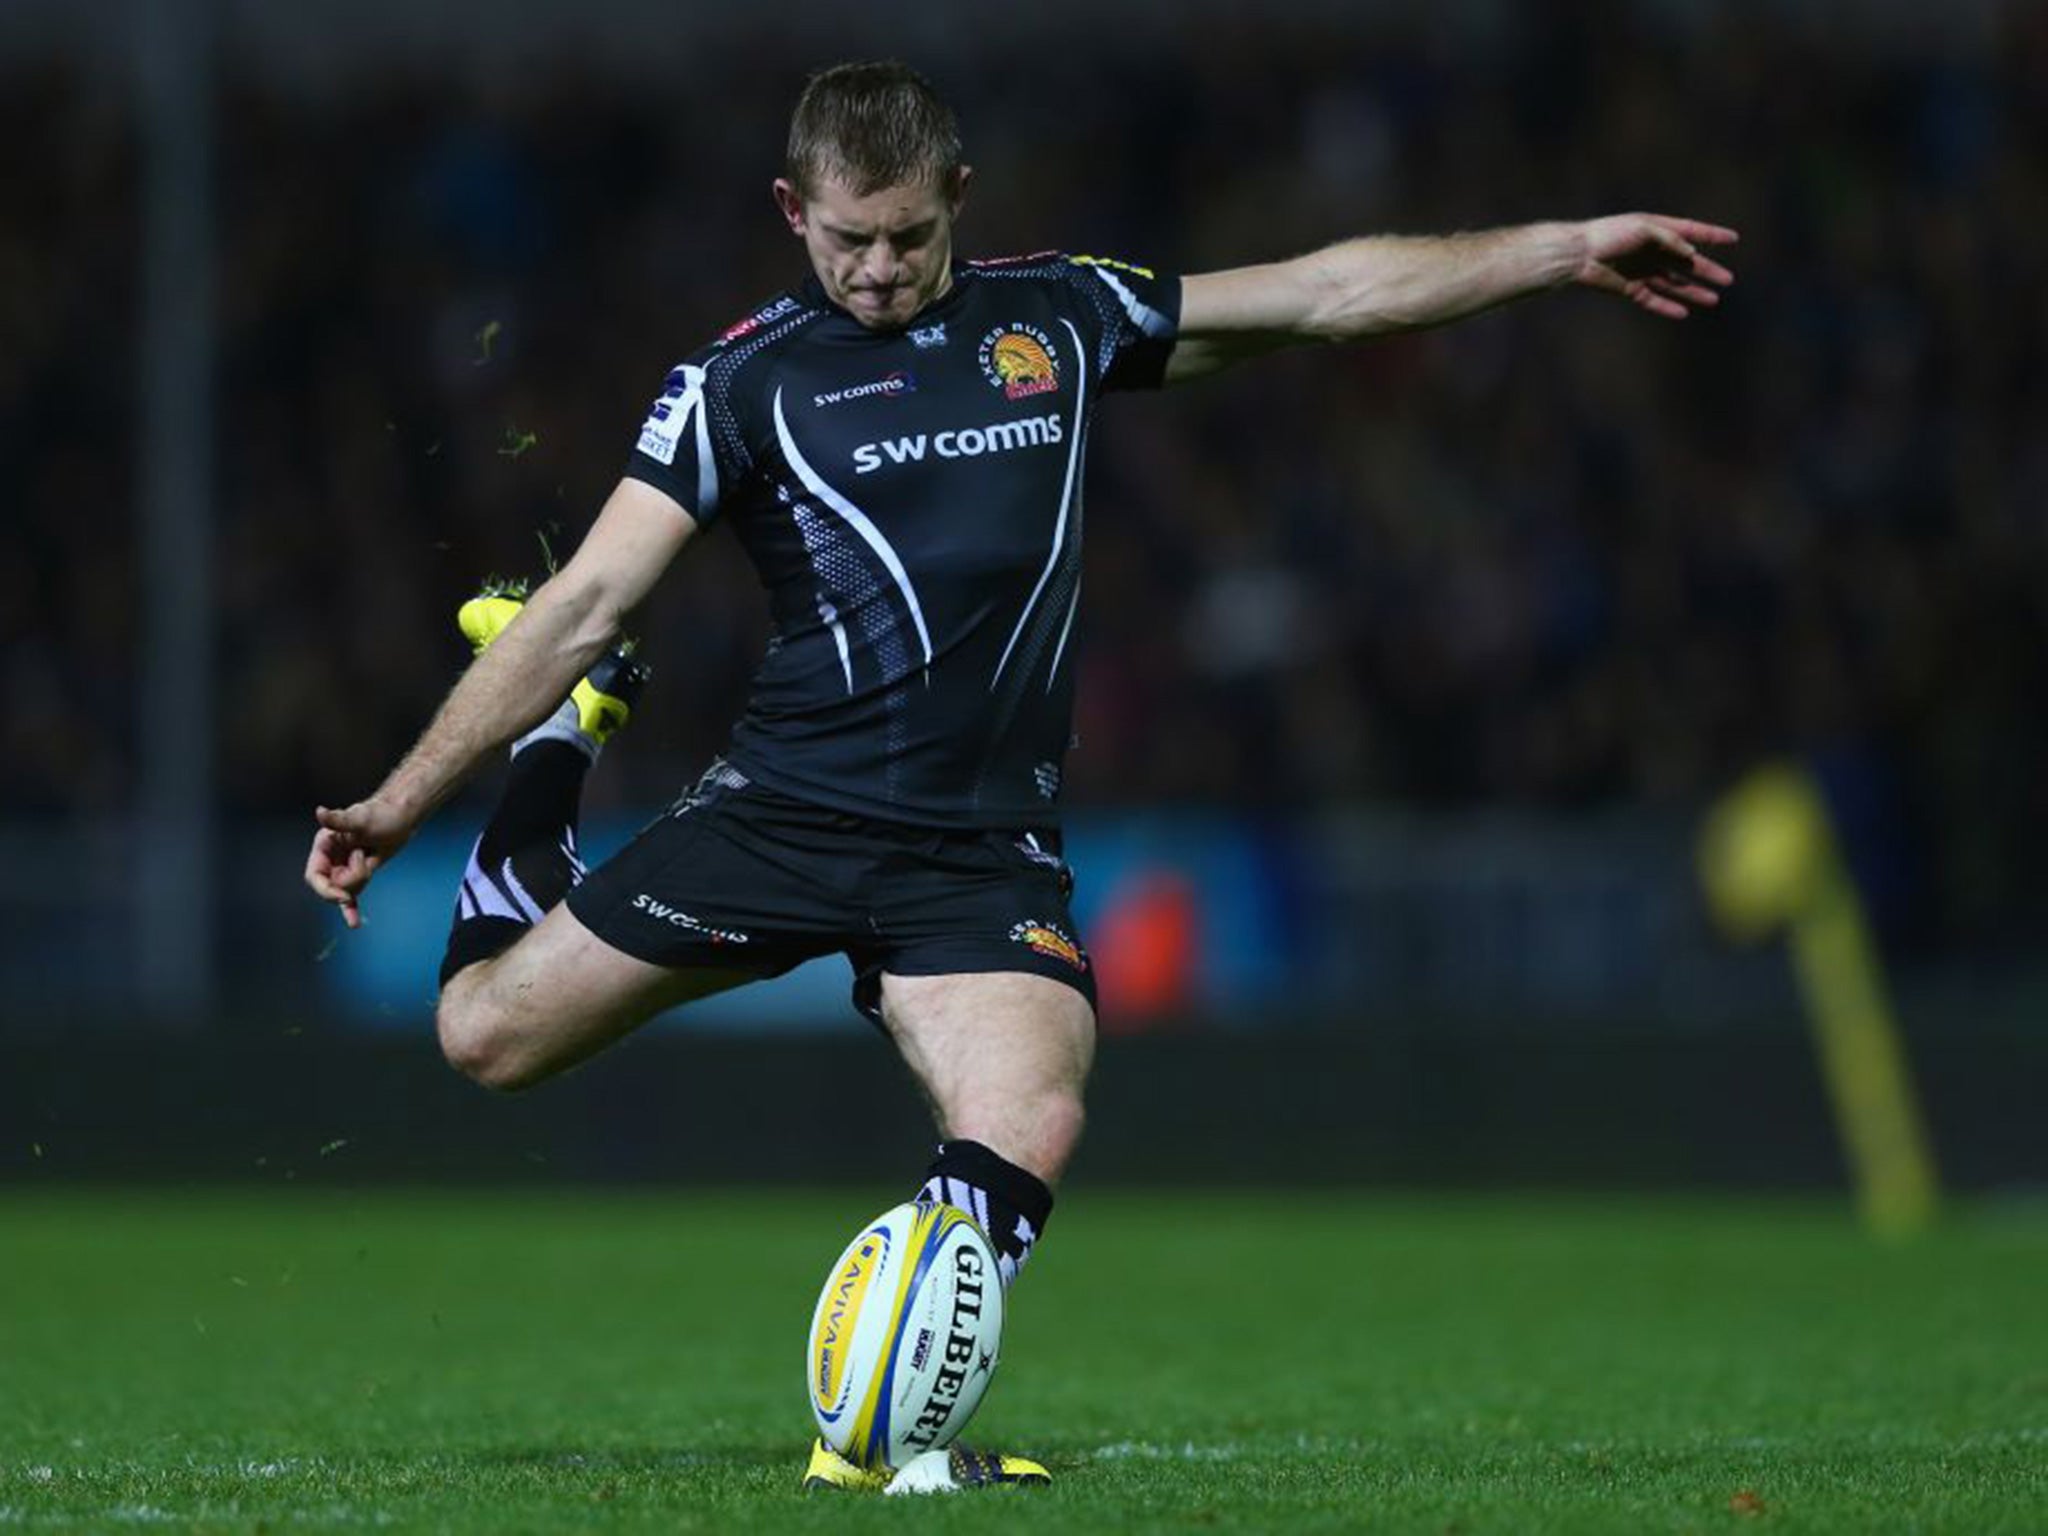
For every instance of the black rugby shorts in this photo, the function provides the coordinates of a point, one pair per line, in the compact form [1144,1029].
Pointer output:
[735,876]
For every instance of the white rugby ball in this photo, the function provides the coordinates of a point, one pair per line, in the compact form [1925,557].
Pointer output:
[906,1335]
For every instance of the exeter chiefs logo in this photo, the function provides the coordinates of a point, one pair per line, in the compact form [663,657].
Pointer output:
[1018,360]
[1048,940]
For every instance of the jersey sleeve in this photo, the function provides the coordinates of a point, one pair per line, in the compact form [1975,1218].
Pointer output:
[1140,313]
[678,453]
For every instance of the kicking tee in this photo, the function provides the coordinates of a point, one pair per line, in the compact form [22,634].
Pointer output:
[912,502]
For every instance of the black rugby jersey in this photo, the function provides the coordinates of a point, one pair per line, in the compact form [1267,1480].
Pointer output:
[912,502]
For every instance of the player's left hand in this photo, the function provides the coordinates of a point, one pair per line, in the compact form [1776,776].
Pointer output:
[351,846]
[1655,262]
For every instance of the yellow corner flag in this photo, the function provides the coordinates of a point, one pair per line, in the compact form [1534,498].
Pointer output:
[1768,859]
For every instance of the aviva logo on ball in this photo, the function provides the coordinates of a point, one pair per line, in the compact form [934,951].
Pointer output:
[906,1335]
[832,1337]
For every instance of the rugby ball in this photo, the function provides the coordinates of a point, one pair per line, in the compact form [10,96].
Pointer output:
[906,1335]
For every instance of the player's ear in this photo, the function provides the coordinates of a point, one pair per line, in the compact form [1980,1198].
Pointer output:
[791,202]
[956,195]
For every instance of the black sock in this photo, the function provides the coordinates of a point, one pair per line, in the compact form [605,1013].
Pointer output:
[526,859]
[1011,1204]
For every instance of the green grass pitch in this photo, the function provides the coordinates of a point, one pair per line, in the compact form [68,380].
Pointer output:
[323,1360]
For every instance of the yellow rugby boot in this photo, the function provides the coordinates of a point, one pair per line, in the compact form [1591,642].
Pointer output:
[484,617]
[605,697]
[829,1469]
[948,1471]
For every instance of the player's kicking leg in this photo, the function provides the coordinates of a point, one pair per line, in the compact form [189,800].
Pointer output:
[526,989]
[1003,1057]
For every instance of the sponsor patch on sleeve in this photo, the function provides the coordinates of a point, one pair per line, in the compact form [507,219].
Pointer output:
[760,317]
[670,413]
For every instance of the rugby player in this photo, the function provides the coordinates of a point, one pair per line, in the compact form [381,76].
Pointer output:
[899,444]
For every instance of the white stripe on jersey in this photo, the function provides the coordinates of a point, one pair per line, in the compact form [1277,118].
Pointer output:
[831,617]
[1143,315]
[1059,532]
[1061,649]
[857,520]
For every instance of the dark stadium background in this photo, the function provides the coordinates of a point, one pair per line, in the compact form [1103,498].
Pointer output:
[1407,673]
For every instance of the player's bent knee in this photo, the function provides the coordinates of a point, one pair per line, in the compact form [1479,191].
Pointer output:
[477,1040]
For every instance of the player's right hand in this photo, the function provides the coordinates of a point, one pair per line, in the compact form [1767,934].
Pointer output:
[351,846]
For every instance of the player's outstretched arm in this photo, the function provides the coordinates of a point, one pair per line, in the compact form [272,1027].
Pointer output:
[527,671]
[1387,283]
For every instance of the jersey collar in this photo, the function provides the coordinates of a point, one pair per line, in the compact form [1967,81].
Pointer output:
[814,294]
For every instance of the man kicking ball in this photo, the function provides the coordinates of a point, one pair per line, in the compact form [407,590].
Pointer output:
[899,443]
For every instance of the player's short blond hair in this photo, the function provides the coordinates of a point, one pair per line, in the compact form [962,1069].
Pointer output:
[871,125]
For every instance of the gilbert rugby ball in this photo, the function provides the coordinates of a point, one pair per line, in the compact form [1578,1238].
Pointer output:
[906,1335]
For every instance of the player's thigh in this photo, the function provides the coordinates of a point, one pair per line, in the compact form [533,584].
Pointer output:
[1003,1056]
[556,996]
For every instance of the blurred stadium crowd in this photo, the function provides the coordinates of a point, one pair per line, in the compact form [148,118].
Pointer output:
[1566,556]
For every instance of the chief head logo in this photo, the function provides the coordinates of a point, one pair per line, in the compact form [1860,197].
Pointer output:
[1018,360]
[1049,940]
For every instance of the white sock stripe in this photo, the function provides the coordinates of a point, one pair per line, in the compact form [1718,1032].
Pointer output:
[528,907]
[491,902]
[492,899]
[974,1200]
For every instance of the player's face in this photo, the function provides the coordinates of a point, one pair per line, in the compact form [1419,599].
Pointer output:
[881,256]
